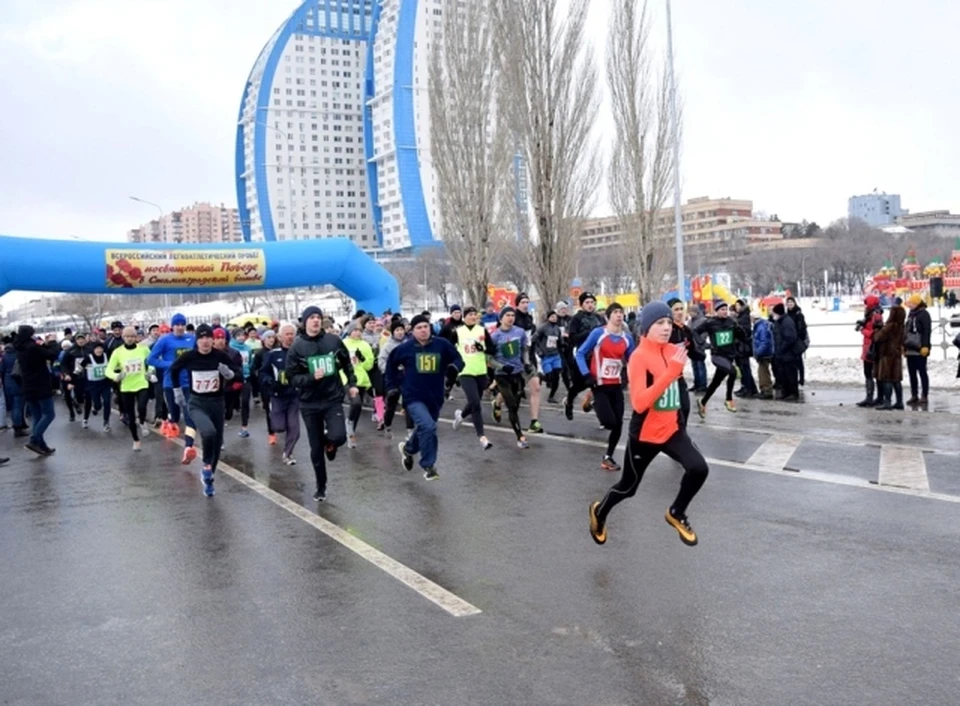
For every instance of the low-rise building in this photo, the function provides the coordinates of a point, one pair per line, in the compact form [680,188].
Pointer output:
[714,230]
[932,222]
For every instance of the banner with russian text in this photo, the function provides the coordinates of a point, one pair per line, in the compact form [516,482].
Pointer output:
[203,269]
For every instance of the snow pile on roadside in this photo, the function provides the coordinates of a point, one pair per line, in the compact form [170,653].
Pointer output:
[849,371]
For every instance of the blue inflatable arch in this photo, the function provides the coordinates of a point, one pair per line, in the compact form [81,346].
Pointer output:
[31,264]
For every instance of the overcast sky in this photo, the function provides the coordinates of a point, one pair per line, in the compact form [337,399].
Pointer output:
[795,105]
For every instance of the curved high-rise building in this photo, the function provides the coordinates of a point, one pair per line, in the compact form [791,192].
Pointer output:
[333,138]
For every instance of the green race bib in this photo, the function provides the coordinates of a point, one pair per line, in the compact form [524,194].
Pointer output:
[510,349]
[98,372]
[669,401]
[324,363]
[428,362]
[723,338]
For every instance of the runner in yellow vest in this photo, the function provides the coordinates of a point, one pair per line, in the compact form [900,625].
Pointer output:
[363,359]
[128,366]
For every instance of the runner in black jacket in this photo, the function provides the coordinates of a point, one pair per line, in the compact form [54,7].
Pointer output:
[582,323]
[724,334]
[314,363]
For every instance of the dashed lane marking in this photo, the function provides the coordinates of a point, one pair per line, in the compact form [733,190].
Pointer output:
[903,467]
[775,452]
[805,475]
[433,592]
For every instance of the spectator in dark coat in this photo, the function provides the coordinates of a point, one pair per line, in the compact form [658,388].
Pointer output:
[917,348]
[13,395]
[800,322]
[889,367]
[785,355]
[748,387]
[34,362]
[763,351]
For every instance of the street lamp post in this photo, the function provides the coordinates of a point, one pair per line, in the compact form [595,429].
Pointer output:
[677,212]
[166,297]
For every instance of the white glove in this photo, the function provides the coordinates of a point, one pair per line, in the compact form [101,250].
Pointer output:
[225,371]
[121,375]
[178,396]
[153,378]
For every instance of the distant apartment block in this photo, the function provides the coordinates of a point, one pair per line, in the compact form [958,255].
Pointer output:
[876,209]
[716,230]
[200,223]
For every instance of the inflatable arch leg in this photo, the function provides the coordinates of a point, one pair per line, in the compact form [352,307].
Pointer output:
[31,264]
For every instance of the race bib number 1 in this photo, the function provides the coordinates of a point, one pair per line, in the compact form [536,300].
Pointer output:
[428,362]
[325,363]
[669,401]
[205,381]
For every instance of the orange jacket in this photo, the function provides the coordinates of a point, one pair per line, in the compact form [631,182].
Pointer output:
[654,392]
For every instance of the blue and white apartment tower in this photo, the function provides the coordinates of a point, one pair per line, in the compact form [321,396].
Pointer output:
[333,138]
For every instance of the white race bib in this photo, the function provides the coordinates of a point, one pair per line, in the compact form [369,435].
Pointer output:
[551,341]
[133,367]
[205,381]
[610,368]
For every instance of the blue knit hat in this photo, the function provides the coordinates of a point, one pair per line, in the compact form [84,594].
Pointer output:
[651,314]
[178,320]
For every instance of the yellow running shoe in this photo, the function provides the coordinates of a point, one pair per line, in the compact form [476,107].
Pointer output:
[597,531]
[683,528]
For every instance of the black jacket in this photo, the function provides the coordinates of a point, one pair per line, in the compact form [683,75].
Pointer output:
[325,349]
[800,322]
[684,336]
[724,335]
[582,323]
[919,329]
[745,347]
[785,339]
[34,368]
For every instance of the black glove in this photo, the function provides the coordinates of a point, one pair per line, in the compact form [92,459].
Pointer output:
[528,369]
[507,370]
[359,355]
[589,380]
[478,346]
[393,394]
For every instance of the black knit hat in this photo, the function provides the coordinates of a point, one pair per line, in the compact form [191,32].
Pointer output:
[586,295]
[310,311]
[204,331]
[419,319]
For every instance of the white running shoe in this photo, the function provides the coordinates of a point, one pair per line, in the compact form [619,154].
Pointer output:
[485,443]
[145,430]
[457,419]
[352,441]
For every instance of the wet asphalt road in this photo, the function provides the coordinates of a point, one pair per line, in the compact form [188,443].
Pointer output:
[121,583]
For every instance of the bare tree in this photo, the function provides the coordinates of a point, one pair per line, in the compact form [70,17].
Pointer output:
[409,280]
[551,103]
[511,265]
[642,164]
[471,147]
[85,308]
[439,274]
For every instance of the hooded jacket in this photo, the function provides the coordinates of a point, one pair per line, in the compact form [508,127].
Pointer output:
[326,352]
[582,323]
[385,350]
[34,362]
[871,323]
[10,386]
[654,392]
[889,347]
[762,340]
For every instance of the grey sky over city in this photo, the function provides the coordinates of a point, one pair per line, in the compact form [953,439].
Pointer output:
[795,105]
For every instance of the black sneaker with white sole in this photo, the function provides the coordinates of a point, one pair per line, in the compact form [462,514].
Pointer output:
[320,496]
[407,458]
[430,473]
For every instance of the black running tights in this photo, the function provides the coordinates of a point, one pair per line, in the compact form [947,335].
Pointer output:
[638,456]
[472,386]
[608,404]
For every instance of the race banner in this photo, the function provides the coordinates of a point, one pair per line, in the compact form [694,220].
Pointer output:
[178,269]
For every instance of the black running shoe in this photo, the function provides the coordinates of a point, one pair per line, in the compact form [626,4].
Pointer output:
[331,451]
[407,458]
[568,408]
[430,473]
[320,496]
[36,448]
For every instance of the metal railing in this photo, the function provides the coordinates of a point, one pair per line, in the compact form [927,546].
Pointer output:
[940,327]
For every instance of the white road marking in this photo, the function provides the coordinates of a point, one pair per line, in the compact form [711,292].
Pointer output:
[775,452]
[805,475]
[433,592]
[903,467]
